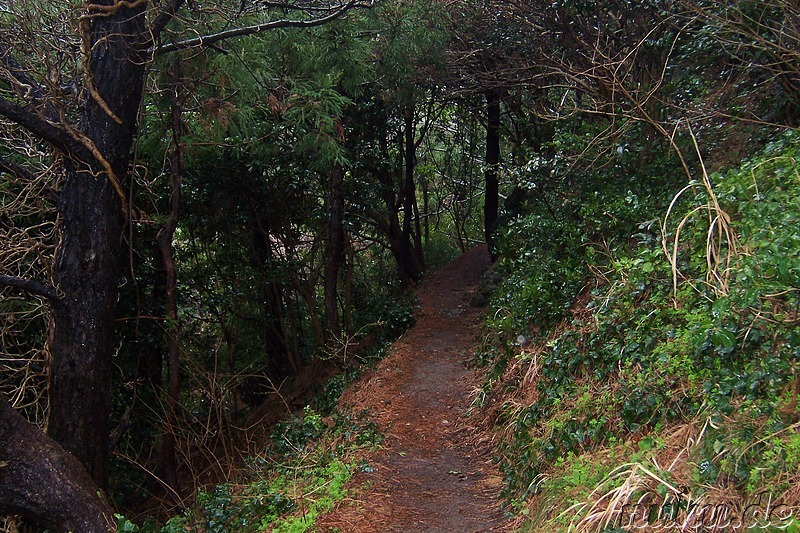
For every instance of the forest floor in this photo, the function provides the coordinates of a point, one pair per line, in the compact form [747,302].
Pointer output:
[433,469]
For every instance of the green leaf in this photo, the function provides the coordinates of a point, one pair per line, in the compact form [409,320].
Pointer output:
[646,444]
[723,340]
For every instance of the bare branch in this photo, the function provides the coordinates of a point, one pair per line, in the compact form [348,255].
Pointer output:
[46,130]
[31,287]
[207,40]
[164,17]
[25,84]
[15,170]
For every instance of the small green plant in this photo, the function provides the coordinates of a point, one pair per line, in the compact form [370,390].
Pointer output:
[293,435]
[302,474]
[627,341]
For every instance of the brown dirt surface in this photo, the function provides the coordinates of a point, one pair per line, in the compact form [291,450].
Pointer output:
[433,470]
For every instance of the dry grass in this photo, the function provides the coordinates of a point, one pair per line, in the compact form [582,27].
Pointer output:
[661,493]
[722,241]
[516,389]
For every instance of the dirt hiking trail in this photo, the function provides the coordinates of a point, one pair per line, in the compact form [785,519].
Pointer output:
[433,471]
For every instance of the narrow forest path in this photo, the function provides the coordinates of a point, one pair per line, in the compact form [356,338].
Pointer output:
[433,471]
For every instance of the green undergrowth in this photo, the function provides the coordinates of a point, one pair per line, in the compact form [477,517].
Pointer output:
[662,333]
[301,474]
[303,471]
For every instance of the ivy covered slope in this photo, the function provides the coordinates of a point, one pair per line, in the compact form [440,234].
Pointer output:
[645,351]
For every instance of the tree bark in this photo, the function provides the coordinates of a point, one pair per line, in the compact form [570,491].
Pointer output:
[92,219]
[44,484]
[389,223]
[492,196]
[333,254]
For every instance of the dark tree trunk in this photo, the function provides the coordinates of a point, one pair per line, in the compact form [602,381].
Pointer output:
[492,198]
[399,242]
[281,360]
[391,227]
[333,255]
[411,249]
[87,264]
[426,210]
[350,256]
[43,483]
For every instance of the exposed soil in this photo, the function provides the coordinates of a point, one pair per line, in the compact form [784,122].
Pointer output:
[433,471]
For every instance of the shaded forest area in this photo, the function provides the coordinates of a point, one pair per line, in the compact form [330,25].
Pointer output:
[210,209]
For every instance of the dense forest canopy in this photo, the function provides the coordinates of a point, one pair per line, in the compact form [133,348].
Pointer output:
[208,203]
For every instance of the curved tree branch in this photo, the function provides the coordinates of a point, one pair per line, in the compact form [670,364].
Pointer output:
[25,83]
[43,483]
[31,287]
[208,40]
[48,131]
[15,170]
[166,14]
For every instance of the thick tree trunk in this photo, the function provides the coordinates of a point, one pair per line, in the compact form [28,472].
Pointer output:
[43,483]
[492,198]
[87,264]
